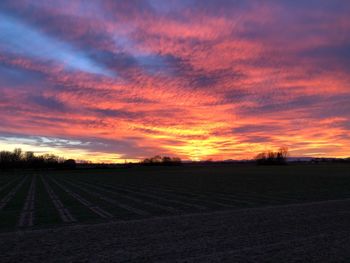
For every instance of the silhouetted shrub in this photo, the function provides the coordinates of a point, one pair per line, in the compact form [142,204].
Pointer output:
[69,164]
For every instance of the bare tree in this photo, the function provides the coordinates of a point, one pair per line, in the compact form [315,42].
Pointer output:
[271,157]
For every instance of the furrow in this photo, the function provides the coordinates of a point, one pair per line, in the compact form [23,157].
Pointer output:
[202,197]
[65,215]
[194,197]
[143,193]
[7,184]
[27,215]
[11,194]
[111,201]
[86,203]
[103,188]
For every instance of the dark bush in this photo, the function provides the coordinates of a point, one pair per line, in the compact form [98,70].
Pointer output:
[69,164]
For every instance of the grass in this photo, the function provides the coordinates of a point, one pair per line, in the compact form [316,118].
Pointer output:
[186,189]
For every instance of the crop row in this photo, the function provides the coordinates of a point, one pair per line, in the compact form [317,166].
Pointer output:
[49,199]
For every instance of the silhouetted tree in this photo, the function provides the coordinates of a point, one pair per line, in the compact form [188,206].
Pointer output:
[17,159]
[176,161]
[273,158]
[17,155]
[29,157]
[284,152]
[166,160]
[158,160]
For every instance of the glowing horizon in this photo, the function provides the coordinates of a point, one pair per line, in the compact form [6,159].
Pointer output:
[112,81]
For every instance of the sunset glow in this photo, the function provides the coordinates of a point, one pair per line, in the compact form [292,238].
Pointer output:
[117,81]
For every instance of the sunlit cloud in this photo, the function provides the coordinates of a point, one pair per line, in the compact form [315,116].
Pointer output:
[199,79]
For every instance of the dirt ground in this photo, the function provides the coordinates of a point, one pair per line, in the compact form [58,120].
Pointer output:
[310,232]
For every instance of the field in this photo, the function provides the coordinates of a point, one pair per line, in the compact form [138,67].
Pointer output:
[263,204]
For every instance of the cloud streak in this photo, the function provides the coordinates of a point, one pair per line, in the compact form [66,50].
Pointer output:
[195,78]
[21,39]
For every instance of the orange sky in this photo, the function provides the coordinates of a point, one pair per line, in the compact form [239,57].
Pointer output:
[124,80]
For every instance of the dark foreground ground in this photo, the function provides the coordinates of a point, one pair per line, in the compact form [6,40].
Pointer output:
[312,232]
[178,214]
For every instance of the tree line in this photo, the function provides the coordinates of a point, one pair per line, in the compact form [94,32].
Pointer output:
[20,159]
[273,157]
[159,160]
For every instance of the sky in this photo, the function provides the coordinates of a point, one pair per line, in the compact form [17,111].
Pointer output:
[110,80]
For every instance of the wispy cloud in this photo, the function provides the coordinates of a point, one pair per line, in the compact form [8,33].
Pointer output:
[195,78]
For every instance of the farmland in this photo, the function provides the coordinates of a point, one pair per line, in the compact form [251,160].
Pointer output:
[149,197]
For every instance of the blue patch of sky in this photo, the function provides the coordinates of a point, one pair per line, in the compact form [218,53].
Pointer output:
[24,40]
